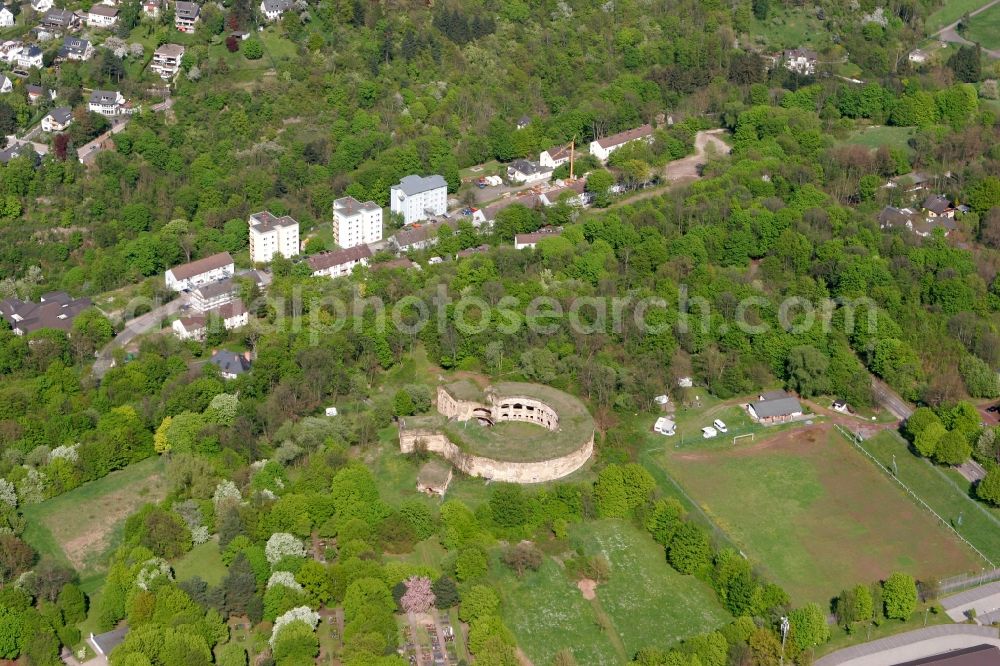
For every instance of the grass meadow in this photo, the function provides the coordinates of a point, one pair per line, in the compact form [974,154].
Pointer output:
[881,135]
[985,28]
[950,12]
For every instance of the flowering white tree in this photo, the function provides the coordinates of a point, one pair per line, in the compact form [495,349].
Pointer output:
[226,493]
[285,579]
[7,493]
[418,597]
[66,452]
[283,544]
[222,409]
[136,50]
[152,570]
[31,488]
[300,614]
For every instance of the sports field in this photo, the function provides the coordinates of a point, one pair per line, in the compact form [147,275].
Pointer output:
[79,526]
[814,514]
[645,602]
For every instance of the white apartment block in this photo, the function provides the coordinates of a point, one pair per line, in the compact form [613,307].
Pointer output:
[270,235]
[356,223]
[418,198]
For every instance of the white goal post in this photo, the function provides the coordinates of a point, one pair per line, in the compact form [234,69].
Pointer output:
[749,434]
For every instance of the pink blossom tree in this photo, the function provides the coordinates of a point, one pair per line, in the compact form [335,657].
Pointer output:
[419,597]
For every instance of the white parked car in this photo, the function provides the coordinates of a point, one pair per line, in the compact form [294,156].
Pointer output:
[720,426]
[708,432]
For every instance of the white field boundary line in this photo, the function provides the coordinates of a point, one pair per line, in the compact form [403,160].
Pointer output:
[912,494]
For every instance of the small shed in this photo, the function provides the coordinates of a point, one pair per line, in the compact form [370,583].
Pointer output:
[434,478]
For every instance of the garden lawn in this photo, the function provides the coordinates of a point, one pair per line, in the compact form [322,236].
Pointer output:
[881,135]
[648,602]
[985,28]
[814,514]
[946,492]
[80,526]
[204,561]
[952,11]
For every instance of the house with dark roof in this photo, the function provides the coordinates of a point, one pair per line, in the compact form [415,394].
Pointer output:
[58,119]
[60,20]
[555,156]
[774,407]
[977,655]
[905,218]
[602,148]
[31,57]
[103,644]
[230,364]
[339,262]
[102,16]
[74,48]
[196,273]
[937,205]
[526,171]
[186,15]
[273,9]
[17,150]
[56,309]
[37,94]
[801,61]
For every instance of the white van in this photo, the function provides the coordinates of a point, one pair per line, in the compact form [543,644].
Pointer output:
[708,432]
[720,426]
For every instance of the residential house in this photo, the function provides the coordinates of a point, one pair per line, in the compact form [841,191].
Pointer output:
[418,197]
[602,148]
[41,6]
[906,218]
[6,18]
[196,273]
[10,50]
[937,205]
[186,15]
[109,103]
[526,171]
[16,150]
[60,20]
[529,241]
[270,235]
[910,183]
[273,9]
[339,262]
[102,16]
[74,48]
[105,643]
[777,407]
[216,294]
[6,85]
[31,57]
[230,364]
[418,236]
[801,61]
[554,157]
[167,60]
[194,327]
[56,309]
[573,193]
[58,119]
[356,223]
[151,8]
[38,94]
[918,57]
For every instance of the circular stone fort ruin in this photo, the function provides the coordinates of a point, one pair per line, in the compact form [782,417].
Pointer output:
[510,431]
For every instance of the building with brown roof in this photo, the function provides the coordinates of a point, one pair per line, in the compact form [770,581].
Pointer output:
[196,273]
[339,262]
[56,309]
[529,241]
[602,148]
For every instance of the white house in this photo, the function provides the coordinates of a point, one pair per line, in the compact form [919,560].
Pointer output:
[801,61]
[602,148]
[273,9]
[41,6]
[554,157]
[109,103]
[102,16]
[6,85]
[573,193]
[270,235]
[186,15]
[151,8]
[30,56]
[58,119]
[6,18]
[194,327]
[356,223]
[167,60]
[526,171]
[339,263]
[196,273]
[529,241]
[417,197]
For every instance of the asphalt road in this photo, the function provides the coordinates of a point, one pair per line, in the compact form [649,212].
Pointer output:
[949,33]
[150,321]
[890,399]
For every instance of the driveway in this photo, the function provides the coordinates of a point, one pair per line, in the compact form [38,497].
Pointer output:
[150,321]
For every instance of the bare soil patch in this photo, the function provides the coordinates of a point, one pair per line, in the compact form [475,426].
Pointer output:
[588,588]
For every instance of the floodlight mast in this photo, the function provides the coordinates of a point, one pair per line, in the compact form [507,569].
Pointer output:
[785,626]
